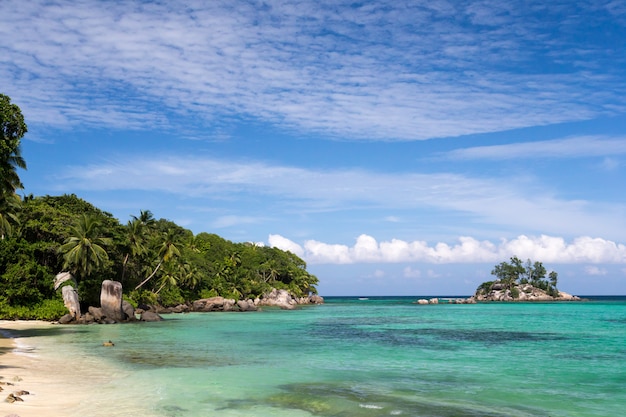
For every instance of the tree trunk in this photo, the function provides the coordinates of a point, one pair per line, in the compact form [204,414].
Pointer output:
[151,275]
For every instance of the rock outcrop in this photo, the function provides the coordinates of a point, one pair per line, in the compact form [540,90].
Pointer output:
[209,304]
[111,300]
[278,298]
[520,292]
[70,300]
[150,316]
[129,311]
[275,298]
[113,308]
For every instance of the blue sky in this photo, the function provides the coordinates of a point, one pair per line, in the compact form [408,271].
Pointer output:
[400,148]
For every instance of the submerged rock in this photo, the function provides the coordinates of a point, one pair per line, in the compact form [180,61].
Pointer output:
[150,316]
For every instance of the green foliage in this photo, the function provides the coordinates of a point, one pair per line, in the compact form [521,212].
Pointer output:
[208,294]
[23,281]
[516,272]
[139,297]
[12,129]
[84,251]
[50,309]
[485,287]
[170,296]
[66,232]
[514,292]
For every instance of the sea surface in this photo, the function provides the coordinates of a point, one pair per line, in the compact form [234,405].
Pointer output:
[381,356]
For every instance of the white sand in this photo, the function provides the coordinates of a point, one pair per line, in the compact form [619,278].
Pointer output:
[50,381]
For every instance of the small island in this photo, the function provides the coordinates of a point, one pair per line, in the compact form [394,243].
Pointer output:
[516,281]
[521,281]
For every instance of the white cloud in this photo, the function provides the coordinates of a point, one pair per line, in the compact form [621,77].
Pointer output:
[595,270]
[227,221]
[610,164]
[283,243]
[385,70]
[409,272]
[497,201]
[379,273]
[543,248]
[432,274]
[575,147]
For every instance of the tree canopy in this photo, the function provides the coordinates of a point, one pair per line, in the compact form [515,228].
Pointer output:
[12,129]
[516,272]
[157,261]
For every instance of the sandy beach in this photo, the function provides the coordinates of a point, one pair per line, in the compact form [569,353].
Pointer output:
[53,386]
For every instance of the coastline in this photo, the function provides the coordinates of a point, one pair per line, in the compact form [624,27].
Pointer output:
[51,382]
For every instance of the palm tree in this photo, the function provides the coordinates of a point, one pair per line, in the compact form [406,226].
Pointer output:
[12,129]
[170,277]
[9,206]
[84,250]
[145,217]
[9,180]
[167,252]
[136,235]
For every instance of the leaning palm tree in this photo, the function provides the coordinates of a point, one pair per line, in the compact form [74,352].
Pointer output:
[167,252]
[84,250]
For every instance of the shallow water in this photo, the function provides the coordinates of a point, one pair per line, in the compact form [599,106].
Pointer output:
[350,357]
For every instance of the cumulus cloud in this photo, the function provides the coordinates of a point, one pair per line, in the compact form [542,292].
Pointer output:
[283,243]
[467,250]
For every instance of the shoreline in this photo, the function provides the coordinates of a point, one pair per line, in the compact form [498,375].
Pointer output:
[51,384]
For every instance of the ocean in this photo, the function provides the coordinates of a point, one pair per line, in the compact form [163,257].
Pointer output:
[381,356]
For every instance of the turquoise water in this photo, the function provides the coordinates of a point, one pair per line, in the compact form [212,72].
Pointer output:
[376,357]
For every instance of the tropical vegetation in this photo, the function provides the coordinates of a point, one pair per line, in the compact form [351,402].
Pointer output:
[156,260]
[516,273]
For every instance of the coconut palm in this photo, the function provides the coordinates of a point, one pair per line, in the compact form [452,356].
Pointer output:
[12,129]
[167,252]
[136,234]
[9,206]
[169,278]
[145,217]
[84,250]
[9,180]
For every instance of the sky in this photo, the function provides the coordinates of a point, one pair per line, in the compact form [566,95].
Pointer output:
[399,148]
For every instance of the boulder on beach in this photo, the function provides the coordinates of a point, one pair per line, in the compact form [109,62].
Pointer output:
[208,304]
[111,300]
[70,300]
[129,310]
[278,298]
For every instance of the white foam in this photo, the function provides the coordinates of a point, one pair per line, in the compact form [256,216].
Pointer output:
[371,406]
